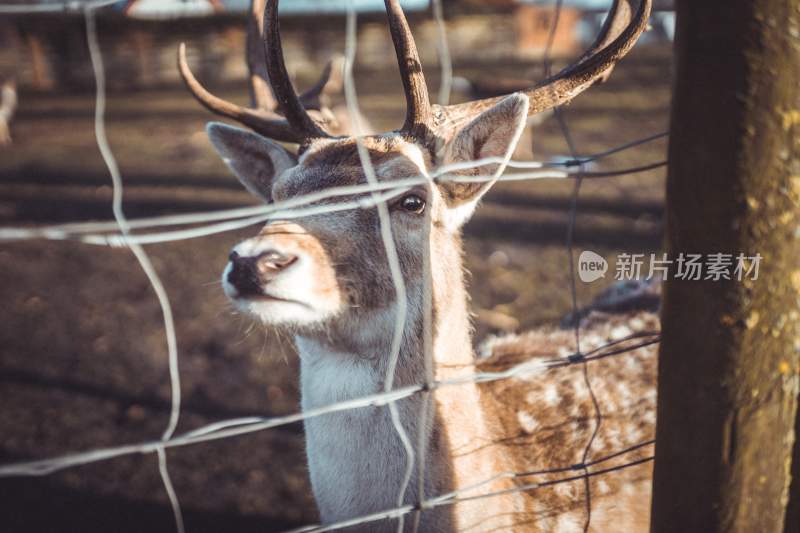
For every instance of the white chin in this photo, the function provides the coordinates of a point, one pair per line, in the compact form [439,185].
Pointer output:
[284,310]
[276,312]
[281,313]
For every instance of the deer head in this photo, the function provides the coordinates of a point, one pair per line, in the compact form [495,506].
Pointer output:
[329,272]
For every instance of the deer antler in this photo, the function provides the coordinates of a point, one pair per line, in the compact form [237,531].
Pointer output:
[618,35]
[263,117]
[261,97]
[288,102]
[418,106]
[260,91]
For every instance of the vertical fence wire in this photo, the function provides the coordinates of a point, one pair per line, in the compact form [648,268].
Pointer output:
[390,249]
[427,404]
[443,49]
[98,69]
[570,241]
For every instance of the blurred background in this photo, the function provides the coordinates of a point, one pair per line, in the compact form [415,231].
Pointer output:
[82,351]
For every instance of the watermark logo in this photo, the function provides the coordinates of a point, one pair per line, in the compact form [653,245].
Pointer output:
[591,266]
[686,266]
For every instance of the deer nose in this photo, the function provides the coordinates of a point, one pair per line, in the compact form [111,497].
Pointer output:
[248,274]
[273,261]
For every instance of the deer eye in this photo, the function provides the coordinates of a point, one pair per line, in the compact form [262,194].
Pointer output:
[412,203]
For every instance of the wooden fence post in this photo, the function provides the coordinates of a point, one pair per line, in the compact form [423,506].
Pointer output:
[730,352]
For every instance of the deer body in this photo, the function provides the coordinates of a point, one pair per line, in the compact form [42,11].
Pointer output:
[327,278]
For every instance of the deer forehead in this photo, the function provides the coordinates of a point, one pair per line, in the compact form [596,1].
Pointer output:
[336,163]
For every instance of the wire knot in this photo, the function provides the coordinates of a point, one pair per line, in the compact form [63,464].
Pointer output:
[577,357]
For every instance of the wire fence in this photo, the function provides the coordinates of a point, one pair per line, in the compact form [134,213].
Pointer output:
[370,195]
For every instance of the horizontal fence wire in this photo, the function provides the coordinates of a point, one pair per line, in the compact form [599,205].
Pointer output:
[75,6]
[372,195]
[452,498]
[243,426]
[238,218]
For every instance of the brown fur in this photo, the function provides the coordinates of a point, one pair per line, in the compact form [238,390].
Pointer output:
[546,420]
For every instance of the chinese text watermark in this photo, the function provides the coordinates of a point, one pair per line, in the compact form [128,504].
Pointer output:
[691,267]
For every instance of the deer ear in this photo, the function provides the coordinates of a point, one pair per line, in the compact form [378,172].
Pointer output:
[254,159]
[493,133]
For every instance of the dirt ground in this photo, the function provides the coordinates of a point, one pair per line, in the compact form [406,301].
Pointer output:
[82,350]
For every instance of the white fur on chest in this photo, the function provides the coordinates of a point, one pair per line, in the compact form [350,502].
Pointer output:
[355,460]
[328,377]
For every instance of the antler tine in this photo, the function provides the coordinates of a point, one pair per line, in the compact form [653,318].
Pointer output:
[288,101]
[330,82]
[264,122]
[263,118]
[418,106]
[619,34]
[261,96]
[618,18]
[260,92]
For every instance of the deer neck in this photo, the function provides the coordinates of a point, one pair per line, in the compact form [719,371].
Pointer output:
[357,462]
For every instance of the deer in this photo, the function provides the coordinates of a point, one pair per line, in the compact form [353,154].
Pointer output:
[540,451]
